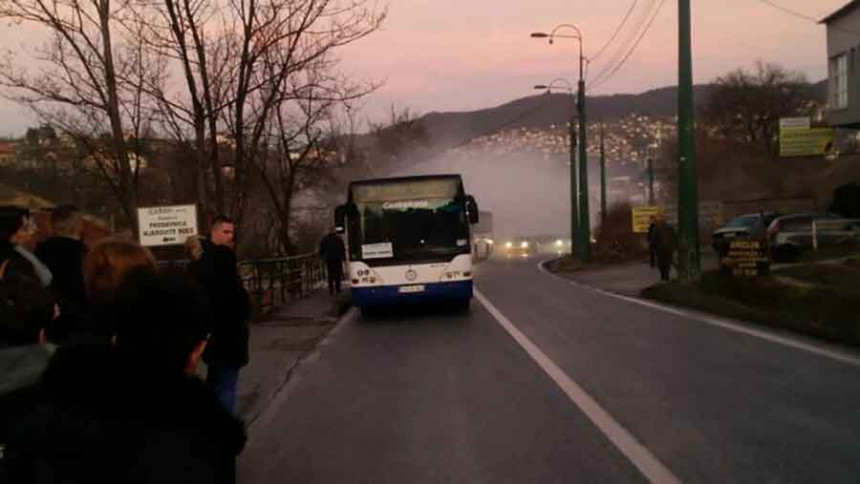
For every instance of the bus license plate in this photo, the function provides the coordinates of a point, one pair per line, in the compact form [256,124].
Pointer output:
[411,289]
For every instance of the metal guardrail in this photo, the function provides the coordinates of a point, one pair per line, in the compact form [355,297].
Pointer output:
[271,283]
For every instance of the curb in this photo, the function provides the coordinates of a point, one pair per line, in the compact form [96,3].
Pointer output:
[344,314]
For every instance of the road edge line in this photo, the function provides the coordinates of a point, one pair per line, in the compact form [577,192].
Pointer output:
[788,341]
[639,455]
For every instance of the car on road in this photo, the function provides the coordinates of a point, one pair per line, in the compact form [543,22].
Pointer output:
[520,248]
[750,225]
[791,235]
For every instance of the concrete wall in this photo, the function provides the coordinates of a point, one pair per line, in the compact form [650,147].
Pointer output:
[839,41]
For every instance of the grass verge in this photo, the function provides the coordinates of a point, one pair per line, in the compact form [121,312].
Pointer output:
[818,300]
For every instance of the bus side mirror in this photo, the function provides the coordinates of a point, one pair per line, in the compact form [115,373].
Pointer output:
[472,210]
[339,218]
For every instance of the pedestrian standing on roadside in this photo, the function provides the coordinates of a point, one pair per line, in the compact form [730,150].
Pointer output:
[652,252]
[217,273]
[64,254]
[333,253]
[17,231]
[132,411]
[665,242]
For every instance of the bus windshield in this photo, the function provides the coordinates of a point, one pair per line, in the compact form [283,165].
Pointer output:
[418,224]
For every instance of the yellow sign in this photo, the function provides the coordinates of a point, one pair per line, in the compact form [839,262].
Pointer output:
[795,142]
[642,217]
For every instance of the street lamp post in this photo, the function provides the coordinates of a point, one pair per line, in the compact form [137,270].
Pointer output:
[574,190]
[584,216]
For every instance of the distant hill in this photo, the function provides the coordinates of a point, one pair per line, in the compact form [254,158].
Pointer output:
[453,128]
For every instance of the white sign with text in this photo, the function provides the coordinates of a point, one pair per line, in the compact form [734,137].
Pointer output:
[167,225]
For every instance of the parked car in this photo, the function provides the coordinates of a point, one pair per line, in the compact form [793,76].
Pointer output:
[791,235]
[750,225]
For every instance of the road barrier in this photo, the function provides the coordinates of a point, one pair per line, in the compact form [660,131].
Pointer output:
[273,282]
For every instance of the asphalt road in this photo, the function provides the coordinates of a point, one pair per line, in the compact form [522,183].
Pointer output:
[609,391]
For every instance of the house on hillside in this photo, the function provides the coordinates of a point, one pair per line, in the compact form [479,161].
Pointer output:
[7,153]
[843,52]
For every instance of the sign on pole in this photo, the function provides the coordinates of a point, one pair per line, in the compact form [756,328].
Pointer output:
[167,225]
[642,217]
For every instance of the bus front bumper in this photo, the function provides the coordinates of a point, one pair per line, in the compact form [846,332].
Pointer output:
[430,292]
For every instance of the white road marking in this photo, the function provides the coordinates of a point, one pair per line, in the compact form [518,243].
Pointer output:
[626,443]
[820,350]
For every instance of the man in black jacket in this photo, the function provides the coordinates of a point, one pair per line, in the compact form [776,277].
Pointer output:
[333,252]
[217,273]
[64,254]
[132,412]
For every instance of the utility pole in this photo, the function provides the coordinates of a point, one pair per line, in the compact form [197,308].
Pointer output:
[584,225]
[651,180]
[574,205]
[584,216]
[602,174]
[689,266]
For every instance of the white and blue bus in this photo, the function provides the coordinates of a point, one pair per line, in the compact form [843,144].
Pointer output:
[409,240]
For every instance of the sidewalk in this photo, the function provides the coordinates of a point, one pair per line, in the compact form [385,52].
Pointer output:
[629,278]
[278,343]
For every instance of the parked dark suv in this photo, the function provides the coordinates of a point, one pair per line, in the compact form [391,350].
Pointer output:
[750,225]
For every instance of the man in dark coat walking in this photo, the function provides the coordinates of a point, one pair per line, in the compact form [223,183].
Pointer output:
[333,253]
[133,412]
[218,275]
[652,244]
[664,241]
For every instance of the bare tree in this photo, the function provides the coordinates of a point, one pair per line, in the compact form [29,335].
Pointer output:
[746,106]
[76,83]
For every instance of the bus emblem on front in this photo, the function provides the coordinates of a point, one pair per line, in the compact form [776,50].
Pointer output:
[411,275]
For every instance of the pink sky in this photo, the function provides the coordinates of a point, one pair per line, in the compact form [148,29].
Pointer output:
[447,55]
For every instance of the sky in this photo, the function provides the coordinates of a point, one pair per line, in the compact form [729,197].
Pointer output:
[462,55]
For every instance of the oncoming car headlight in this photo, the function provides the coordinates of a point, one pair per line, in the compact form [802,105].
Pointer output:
[509,245]
[524,245]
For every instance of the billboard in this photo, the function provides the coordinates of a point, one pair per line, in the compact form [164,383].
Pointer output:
[798,138]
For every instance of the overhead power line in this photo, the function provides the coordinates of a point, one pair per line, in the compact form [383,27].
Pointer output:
[617,31]
[806,17]
[788,10]
[618,67]
[634,28]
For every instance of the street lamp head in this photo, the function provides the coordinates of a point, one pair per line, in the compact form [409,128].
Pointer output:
[541,87]
[539,35]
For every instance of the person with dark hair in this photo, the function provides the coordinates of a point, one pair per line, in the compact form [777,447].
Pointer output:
[16,233]
[132,412]
[217,273]
[665,243]
[333,253]
[652,243]
[64,254]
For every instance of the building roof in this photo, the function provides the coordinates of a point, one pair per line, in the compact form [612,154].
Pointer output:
[845,10]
